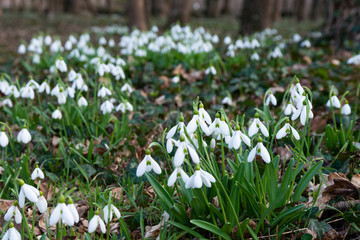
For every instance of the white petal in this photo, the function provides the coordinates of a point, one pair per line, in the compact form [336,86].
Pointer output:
[246,139]
[31,193]
[141,168]
[295,133]
[116,211]
[206,181]
[172,132]
[296,114]
[252,155]
[335,101]
[102,225]
[155,166]
[197,180]
[263,129]
[204,127]
[55,215]
[172,178]
[281,133]
[273,100]
[179,156]
[9,213]
[303,116]
[264,153]
[224,128]
[191,127]
[18,216]
[253,129]
[194,155]
[235,141]
[42,204]
[184,176]
[93,224]
[67,215]
[208,176]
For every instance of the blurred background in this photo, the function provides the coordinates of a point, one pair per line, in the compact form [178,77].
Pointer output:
[338,20]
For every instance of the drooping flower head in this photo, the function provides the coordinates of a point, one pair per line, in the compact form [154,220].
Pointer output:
[95,222]
[260,150]
[13,211]
[256,125]
[11,233]
[61,212]
[27,191]
[147,164]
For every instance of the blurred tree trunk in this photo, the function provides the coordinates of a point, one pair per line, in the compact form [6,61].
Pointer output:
[288,7]
[213,8]
[180,10]
[256,16]
[278,4]
[317,11]
[160,7]
[108,6]
[1,8]
[303,9]
[137,14]
[227,7]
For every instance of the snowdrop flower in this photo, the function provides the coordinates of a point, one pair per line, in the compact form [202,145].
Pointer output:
[108,213]
[68,45]
[271,98]
[259,149]
[103,92]
[126,88]
[70,92]
[235,141]
[73,210]
[147,164]
[204,114]
[24,136]
[22,49]
[199,178]
[33,84]
[72,75]
[345,110]
[11,233]
[61,65]
[106,107]
[302,112]
[227,40]
[37,173]
[102,41]
[183,149]
[333,101]
[42,203]
[178,128]
[305,44]
[7,102]
[44,87]
[227,100]
[212,144]
[36,59]
[219,127]
[95,222]
[82,102]
[27,92]
[56,114]
[47,40]
[289,109]
[12,90]
[27,191]
[111,43]
[4,140]
[13,211]
[286,129]
[255,57]
[61,212]
[211,70]
[195,121]
[61,97]
[178,172]
[125,106]
[256,125]
[175,79]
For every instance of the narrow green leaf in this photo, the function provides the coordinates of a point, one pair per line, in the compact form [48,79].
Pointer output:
[211,228]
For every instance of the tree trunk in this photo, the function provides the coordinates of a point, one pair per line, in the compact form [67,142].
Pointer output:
[180,10]
[137,14]
[317,11]
[303,9]
[256,16]
[277,10]
[227,7]
[214,8]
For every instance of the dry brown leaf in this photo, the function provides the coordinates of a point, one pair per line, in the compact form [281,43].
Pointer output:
[117,193]
[160,100]
[356,180]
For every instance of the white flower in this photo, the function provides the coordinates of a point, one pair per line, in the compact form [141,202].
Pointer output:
[111,43]
[227,40]
[305,44]
[108,213]
[178,172]
[37,173]
[72,75]
[44,87]
[126,88]
[42,203]
[211,70]
[199,178]
[27,92]
[33,84]
[73,210]
[61,212]
[22,49]
[204,114]
[227,100]
[235,141]
[334,101]
[177,128]
[24,136]
[7,102]
[271,98]
[103,92]
[70,92]
[286,129]
[82,102]
[11,233]
[27,191]
[289,109]
[219,127]
[102,41]
[194,122]
[147,164]
[124,106]
[175,79]
[61,65]
[302,112]
[255,57]
[4,140]
[256,125]
[183,149]
[259,149]
[106,107]
[56,114]
[61,97]
[95,222]
[345,110]
[13,211]
[12,90]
